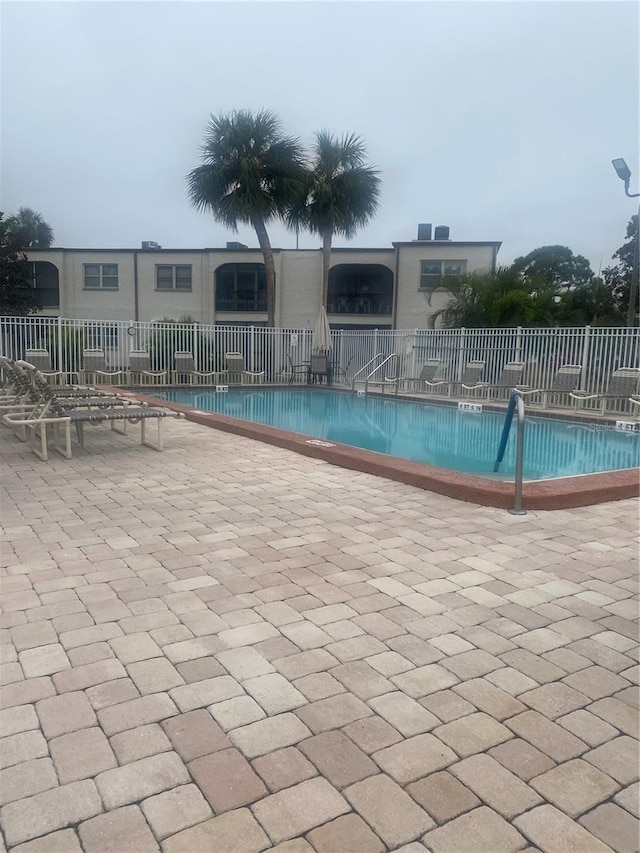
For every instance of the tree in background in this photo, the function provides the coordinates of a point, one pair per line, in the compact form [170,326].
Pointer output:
[594,304]
[548,287]
[339,196]
[251,173]
[618,277]
[17,294]
[486,300]
[29,230]
[555,265]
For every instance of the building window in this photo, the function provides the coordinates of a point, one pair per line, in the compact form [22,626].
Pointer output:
[173,277]
[101,276]
[241,287]
[434,273]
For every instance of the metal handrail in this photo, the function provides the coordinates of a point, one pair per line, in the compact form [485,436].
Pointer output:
[516,404]
[375,370]
[362,369]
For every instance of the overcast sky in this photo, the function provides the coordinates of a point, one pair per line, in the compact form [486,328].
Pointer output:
[499,119]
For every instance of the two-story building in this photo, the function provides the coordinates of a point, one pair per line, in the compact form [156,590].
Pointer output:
[368,288]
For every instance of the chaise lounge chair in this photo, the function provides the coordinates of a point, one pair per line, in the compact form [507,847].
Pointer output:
[185,372]
[140,369]
[564,382]
[427,374]
[509,378]
[470,378]
[51,414]
[623,385]
[41,358]
[236,370]
[95,368]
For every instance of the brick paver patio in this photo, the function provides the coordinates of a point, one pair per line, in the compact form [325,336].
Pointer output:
[229,647]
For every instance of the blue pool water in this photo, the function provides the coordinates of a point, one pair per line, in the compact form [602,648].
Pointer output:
[436,435]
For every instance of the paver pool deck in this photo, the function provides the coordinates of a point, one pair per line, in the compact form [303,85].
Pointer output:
[228,647]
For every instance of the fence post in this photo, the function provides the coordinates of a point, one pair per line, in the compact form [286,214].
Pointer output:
[251,348]
[59,347]
[585,355]
[519,344]
[462,347]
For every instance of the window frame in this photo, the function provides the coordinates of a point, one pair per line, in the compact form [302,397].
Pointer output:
[174,278]
[433,280]
[100,277]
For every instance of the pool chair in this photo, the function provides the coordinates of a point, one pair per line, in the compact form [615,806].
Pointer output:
[41,358]
[52,415]
[296,370]
[236,370]
[339,373]
[185,373]
[96,370]
[564,382]
[470,379]
[140,370]
[427,374]
[17,391]
[623,385]
[509,378]
[319,368]
[39,391]
[20,379]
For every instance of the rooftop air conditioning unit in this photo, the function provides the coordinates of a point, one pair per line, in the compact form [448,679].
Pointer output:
[150,244]
[441,232]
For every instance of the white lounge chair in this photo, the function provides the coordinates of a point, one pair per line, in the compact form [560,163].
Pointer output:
[185,373]
[140,369]
[623,385]
[236,371]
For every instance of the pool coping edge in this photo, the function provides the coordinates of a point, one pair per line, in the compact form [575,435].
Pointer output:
[564,493]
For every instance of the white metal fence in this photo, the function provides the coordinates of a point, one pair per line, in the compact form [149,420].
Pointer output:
[600,351]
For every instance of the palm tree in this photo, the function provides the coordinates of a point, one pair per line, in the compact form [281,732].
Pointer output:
[486,300]
[340,196]
[29,229]
[251,171]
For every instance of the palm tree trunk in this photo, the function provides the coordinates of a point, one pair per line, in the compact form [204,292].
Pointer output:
[327,234]
[269,269]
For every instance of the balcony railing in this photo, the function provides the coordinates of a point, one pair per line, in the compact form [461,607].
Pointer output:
[47,297]
[256,302]
[364,304]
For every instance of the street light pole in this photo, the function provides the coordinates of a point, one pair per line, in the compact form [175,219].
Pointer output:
[624,173]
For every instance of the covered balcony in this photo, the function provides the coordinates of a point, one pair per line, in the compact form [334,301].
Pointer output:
[361,290]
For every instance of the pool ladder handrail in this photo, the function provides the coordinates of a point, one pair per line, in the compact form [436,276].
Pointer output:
[371,361]
[516,404]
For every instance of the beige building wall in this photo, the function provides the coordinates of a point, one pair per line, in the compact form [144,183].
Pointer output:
[298,283]
[154,304]
[95,304]
[299,287]
[412,307]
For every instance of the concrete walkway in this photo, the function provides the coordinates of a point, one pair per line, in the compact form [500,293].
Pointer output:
[229,647]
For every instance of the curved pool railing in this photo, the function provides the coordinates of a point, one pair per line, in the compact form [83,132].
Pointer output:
[369,377]
[371,361]
[516,404]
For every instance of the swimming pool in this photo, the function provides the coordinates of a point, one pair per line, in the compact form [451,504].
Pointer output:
[436,435]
